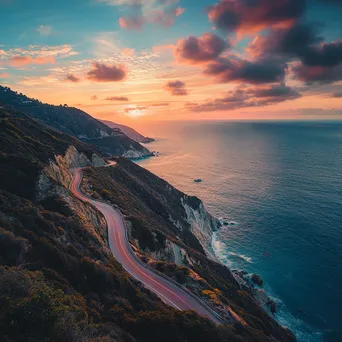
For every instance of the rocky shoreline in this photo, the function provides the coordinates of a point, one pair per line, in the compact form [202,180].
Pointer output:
[253,283]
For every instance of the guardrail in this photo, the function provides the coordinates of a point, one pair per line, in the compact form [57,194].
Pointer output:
[162,275]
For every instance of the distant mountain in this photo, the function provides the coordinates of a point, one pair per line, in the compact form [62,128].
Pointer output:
[130,132]
[77,123]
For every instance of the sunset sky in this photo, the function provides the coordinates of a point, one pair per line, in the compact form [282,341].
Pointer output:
[142,60]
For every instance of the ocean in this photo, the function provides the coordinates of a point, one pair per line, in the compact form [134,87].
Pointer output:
[279,186]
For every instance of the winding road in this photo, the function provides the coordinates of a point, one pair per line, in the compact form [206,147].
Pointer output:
[168,292]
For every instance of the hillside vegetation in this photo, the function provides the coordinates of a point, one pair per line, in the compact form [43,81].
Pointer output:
[75,122]
[58,279]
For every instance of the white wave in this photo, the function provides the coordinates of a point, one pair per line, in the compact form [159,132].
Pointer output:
[241,256]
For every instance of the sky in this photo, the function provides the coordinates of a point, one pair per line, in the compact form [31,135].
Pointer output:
[134,61]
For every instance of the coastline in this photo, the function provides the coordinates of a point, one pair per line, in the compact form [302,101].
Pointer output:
[264,295]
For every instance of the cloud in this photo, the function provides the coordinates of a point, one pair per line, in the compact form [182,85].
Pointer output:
[61,51]
[337,94]
[72,78]
[139,12]
[234,69]
[195,50]
[161,104]
[176,88]
[291,42]
[44,30]
[324,55]
[133,109]
[317,74]
[132,22]
[128,52]
[117,98]
[107,73]
[20,61]
[315,61]
[166,18]
[249,16]
[4,75]
[244,97]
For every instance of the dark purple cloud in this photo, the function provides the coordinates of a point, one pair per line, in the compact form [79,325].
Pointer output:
[234,69]
[196,50]
[317,74]
[300,41]
[255,15]
[320,62]
[325,55]
[72,78]
[176,88]
[291,42]
[244,97]
[107,73]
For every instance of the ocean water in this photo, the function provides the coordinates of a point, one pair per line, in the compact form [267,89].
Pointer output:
[280,187]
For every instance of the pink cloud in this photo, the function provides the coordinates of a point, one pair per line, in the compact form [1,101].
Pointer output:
[251,16]
[176,88]
[244,97]
[195,50]
[107,73]
[72,78]
[19,61]
[132,22]
[4,75]
[128,52]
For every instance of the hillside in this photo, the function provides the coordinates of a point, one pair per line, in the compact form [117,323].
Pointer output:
[58,279]
[77,123]
[130,132]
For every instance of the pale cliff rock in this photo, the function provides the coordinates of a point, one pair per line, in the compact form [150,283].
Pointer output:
[202,226]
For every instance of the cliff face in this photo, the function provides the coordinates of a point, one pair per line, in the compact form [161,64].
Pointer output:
[130,132]
[202,225]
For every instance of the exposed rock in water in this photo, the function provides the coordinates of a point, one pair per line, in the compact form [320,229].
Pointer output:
[272,306]
[257,280]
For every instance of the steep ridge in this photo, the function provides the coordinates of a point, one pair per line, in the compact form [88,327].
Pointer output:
[130,132]
[77,123]
[168,291]
[171,232]
[58,278]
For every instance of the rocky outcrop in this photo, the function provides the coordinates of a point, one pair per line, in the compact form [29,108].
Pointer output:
[135,154]
[58,171]
[202,225]
[256,279]
[54,183]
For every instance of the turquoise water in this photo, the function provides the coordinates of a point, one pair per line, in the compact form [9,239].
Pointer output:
[280,186]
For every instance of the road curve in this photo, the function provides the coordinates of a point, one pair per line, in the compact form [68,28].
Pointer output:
[167,291]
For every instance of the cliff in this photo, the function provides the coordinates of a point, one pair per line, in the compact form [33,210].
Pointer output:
[58,279]
[75,122]
[130,132]
[171,232]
